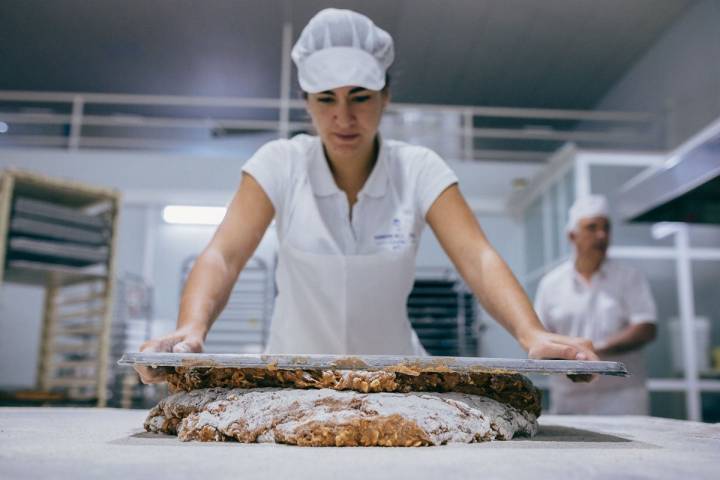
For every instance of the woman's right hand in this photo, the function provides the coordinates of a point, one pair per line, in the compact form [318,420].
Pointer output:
[182,340]
[553,346]
[215,271]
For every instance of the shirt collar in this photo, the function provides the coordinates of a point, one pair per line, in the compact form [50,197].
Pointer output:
[323,183]
[601,272]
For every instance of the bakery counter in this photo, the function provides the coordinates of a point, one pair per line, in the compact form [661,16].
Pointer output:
[93,443]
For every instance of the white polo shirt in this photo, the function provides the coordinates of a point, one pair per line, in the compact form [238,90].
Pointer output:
[390,211]
[616,297]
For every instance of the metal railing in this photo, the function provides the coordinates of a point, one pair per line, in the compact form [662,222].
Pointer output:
[76,120]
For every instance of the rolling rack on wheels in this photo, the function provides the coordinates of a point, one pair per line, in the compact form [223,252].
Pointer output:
[61,235]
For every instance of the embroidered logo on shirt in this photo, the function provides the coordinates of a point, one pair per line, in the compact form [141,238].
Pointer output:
[398,238]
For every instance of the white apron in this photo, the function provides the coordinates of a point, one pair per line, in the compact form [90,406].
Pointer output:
[606,395]
[341,304]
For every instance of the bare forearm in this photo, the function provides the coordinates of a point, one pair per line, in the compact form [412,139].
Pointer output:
[631,338]
[485,272]
[212,278]
[494,284]
[206,292]
[500,294]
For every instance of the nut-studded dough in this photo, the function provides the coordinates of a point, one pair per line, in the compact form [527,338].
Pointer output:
[512,389]
[326,417]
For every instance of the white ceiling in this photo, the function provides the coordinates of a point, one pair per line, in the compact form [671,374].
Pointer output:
[519,53]
[529,53]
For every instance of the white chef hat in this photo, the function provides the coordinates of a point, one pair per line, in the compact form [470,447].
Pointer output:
[586,207]
[339,48]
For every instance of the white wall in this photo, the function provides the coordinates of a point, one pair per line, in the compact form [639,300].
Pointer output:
[680,72]
[20,323]
[135,172]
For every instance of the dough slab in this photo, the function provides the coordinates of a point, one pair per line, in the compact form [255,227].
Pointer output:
[327,417]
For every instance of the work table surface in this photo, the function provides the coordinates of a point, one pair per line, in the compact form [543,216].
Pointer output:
[108,443]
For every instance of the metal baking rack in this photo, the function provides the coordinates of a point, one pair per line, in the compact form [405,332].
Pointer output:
[61,235]
[131,326]
[443,313]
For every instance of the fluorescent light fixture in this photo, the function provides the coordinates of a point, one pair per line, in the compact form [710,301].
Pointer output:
[193,215]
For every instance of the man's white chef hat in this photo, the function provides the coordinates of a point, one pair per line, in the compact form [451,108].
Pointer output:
[586,207]
[339,48]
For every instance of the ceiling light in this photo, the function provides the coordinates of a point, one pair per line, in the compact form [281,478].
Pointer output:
[193,215]
[3,127]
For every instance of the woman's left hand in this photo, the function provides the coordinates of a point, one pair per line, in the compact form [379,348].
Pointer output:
[546,345]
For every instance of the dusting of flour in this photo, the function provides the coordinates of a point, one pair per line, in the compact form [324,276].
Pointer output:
[327,417]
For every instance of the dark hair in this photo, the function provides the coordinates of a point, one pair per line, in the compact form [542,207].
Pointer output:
[385,88]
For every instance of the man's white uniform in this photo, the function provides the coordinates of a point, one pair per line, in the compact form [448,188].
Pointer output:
[616,297]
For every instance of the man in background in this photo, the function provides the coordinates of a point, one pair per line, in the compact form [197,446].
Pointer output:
[611,304]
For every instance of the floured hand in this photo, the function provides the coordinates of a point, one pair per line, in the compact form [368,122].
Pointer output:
[547,345]
[180,341]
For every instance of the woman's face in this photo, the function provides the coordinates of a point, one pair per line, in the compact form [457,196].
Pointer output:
[347,118]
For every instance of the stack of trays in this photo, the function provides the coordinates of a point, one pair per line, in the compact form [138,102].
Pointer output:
[472,327]
[44,235]
[433,307]
[442,313]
